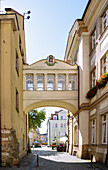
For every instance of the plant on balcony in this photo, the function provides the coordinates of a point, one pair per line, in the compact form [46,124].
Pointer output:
[91,93]
[99,84]
[102,81]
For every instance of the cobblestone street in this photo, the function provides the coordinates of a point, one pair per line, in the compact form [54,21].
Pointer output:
[51,159]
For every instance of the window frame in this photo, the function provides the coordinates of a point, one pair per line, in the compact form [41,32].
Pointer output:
[104,122]
[71,80]
[93,136]
[29,79]
[93,36]
[50,79]
[61,78]
[43,79]
[105,18]
[93,78]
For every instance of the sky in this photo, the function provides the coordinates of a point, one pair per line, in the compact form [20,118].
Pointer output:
[47,29]
[46,32]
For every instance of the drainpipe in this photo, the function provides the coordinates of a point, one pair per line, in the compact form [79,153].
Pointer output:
[0,138]
[78,99]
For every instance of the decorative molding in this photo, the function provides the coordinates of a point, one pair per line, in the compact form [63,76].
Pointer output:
[93,112]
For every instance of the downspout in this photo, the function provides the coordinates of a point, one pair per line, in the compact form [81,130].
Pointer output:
[0,101]
[78,100]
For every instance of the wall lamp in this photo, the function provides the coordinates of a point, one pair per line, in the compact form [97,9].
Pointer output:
[28,17]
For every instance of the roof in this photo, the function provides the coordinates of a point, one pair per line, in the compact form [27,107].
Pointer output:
[86,9]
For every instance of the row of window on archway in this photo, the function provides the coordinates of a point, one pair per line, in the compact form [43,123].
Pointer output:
[61,82]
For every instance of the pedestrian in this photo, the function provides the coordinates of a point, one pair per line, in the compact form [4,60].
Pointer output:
[33,146]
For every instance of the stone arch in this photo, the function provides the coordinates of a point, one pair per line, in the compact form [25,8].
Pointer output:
[51,103]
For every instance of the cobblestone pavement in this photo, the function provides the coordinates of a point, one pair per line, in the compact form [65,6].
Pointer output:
[52,160]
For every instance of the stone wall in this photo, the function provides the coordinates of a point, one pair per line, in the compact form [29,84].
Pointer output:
[9,148]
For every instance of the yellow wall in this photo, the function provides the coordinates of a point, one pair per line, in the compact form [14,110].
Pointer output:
[10,81]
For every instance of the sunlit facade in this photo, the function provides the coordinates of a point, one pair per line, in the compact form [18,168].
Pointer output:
[87,46]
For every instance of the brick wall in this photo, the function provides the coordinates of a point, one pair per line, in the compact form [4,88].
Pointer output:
[9,148]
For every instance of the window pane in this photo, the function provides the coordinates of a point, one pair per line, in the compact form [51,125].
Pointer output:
[72,82]
[93,78]
[50,82]
[29,82]
[40,82]
[61,82]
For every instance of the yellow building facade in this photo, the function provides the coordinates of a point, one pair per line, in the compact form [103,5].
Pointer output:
[87,46]
[12,57]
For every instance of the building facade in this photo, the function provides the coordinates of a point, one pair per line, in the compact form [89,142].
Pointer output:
[57,126]
[13,119]
[87,46]
[34,135]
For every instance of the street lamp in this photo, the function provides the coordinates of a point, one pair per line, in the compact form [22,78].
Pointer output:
[28,17]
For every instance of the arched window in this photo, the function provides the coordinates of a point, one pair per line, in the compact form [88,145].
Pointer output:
[29,82]
[40,82]
[72,82]
[61,82]
[50,82]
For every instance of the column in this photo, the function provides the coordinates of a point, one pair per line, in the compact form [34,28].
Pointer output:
[34,82]
[67,78]
[56,81]
[45,81]
[24,81]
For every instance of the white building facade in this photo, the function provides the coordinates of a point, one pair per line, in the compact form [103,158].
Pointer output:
[57,126]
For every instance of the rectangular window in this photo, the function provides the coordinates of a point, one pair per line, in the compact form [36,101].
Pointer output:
[17,101]
[94,78]
[61,82]
[105,20]
[17,63]
[61,125]
[93,131]
[105,64]
[104,129]
[29,82]
[40,82]
[62,117]
[56,125]
[50,82]
[93,39]
[72,82]
[54,117]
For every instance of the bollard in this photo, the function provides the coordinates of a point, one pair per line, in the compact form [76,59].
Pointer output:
[37,160]
[91,159]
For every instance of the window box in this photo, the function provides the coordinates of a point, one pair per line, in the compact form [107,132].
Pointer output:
[99,84]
